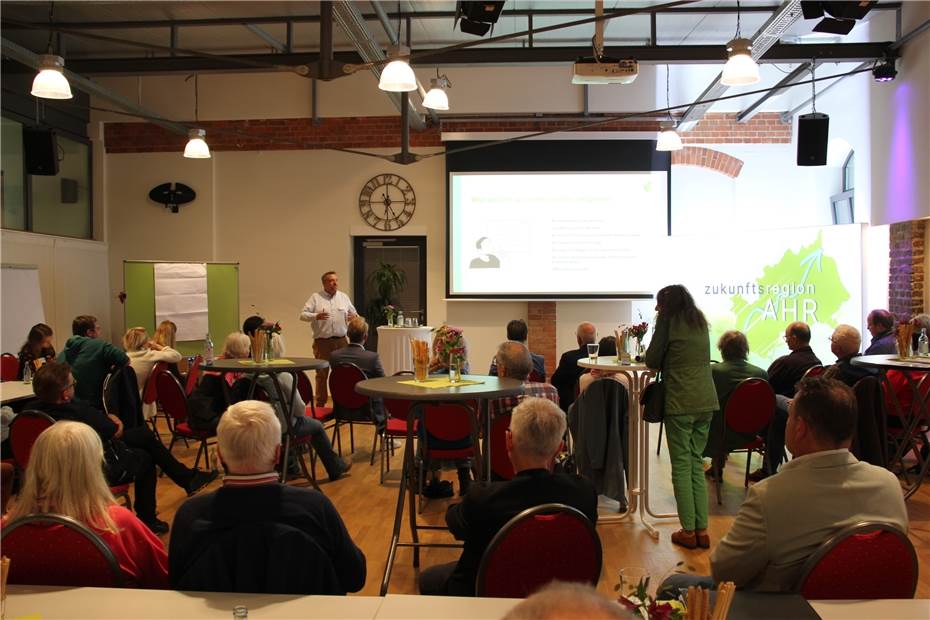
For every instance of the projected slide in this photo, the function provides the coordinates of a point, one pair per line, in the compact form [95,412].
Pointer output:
[558,234]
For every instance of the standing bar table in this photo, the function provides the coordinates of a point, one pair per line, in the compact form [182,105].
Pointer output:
[393,387]
[638,377]
[394,346]
[272,368]
[915,370]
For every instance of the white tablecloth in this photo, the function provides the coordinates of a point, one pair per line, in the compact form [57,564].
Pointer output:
[394,346]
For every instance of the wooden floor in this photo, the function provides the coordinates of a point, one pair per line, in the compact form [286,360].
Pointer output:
[368,511]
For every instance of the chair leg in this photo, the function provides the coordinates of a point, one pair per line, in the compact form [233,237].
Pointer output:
[659,443]
[351,438]
[310,474]
[374,444]
[337,438]
[748,465]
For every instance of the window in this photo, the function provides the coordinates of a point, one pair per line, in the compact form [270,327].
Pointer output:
[843,203]
[849,169]
[52,205]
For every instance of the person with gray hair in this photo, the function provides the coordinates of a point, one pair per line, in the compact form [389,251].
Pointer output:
[567,373]
[567,601]
[514,361]
[255,519]
[844,343]
[533,442]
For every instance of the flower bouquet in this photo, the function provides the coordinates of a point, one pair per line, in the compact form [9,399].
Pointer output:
[638,601]
[446,340]
[389,311]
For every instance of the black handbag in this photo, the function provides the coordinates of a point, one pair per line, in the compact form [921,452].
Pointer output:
[121,463]
[653,401]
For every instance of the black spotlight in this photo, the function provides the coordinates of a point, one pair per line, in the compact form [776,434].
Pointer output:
[477,17]
[885,71]
[842,15]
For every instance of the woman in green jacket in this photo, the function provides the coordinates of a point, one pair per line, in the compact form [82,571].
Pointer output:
[680,347]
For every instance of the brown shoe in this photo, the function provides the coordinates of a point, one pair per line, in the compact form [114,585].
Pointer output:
[684,538]
[703,540]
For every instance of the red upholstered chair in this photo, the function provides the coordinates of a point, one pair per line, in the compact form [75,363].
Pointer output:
[7,472]
[396,427]
[349,407]
[500,461]
[9,367]
[551,542]
[813,371]
[55,550]
[305,389]
[150,396]
[749,409]
[24,430]
[451,424]
[193,375]
[906,400]
[173,402]
[868,560]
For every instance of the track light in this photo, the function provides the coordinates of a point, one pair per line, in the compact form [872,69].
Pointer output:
[885,70]
[437,98]
[669,140]
[50,82]
[740,69]
[397,76]
[197,145]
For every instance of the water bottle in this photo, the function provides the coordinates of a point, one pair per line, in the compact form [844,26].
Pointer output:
[208,350]
[923,345]
[27,372]
[400,318]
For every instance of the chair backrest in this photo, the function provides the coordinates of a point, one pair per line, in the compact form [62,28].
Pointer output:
[193,375]
[55,550]
[171,396]
[7,471]
[868,443]
[868,560]
[750,406]
[500,461]
[150,391]
[540,545]
[535,377]
[304,387]
[449,422]
[9,367]
[398,408]
[342,382]
[813,371]
[24,430]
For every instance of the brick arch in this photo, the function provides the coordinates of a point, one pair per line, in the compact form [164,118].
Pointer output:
[708,158]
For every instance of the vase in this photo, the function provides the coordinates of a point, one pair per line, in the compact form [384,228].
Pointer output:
[639,351]
[390,319]
[269,351]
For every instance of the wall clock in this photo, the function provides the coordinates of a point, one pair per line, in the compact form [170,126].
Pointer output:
[387,202]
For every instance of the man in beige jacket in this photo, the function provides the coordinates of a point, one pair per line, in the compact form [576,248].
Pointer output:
[823,489]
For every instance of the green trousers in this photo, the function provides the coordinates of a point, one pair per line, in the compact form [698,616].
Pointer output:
[686,436]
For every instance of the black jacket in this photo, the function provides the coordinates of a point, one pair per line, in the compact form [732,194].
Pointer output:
[787,370]
[566,375]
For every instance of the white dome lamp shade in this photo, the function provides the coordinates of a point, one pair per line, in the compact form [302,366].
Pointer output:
[196,145]
[50,82]
[397,76]
[669,140]
[740,69]
[437,98]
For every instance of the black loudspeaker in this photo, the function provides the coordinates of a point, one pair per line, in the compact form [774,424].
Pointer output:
[813,133]
[40,149]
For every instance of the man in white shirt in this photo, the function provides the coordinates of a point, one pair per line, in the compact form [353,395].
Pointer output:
[328,313]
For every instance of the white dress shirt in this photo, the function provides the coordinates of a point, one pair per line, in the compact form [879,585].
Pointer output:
[339,307]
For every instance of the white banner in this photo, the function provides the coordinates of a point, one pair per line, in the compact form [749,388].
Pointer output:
[181,296]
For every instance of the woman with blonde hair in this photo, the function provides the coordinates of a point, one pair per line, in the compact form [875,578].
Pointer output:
[65,476]
[143,355]
[208,401]
[166,334]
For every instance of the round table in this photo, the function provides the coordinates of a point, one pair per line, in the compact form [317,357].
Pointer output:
[638,376]
[399,388]
[273,368]
[394,346]
[911,420]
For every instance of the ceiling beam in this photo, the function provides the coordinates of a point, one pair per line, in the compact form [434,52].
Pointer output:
[786,81]
[648,54]
[267,38]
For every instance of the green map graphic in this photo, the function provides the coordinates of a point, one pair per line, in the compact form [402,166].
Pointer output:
[802,280]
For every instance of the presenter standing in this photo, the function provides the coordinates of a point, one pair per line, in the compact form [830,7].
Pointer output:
[328,312]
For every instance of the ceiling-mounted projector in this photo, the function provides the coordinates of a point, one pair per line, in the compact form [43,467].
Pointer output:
[604,71]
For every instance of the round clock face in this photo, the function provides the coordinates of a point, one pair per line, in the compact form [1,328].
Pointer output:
[387,202]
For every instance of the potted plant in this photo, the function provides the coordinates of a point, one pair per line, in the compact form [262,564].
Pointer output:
[388,280]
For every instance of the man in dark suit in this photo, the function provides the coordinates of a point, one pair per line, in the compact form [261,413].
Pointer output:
[566,375]
[881,326]
[368,361]
[845,343]
[534,440]
[517,331]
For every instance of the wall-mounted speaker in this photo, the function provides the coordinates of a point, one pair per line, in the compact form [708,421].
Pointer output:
[813,135]
[40,150]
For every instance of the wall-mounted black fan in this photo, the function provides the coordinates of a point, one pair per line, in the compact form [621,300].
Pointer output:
[172,195]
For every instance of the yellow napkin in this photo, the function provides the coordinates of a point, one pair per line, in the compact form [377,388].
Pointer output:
[440,382]
[275,362]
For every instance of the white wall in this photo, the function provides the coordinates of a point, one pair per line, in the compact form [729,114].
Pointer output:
[73,278]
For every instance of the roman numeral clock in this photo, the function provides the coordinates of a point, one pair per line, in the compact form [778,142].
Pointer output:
[387,202]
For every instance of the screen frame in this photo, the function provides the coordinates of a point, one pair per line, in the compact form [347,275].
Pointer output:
[555,156]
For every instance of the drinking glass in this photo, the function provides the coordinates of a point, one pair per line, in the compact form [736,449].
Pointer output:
[592,351]
[630,578]
[455,371]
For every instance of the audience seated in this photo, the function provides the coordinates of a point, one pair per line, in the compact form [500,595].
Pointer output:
[131,454]
[90,358]
[880,324]
[823,490]
[211,397]
[368,361]
[606,347]
[166,335]
[784,374]
[37,349]
[844,343]
[65,477]
[536,430]
[518,332]
[734,348]
[255,534]
[567,601]
[513,361]
[143,355]
[566,375]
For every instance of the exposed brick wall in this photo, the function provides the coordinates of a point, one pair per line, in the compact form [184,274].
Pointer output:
[384,132]
[541,321]
[906,270]
[708,158]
